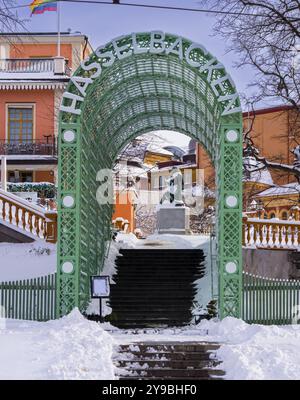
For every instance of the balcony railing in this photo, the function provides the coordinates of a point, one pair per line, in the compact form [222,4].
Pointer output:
[30,65]
[46,146]
[27,65]
[271,234]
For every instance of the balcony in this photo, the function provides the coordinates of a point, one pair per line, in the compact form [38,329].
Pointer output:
[43,147]
[34,65]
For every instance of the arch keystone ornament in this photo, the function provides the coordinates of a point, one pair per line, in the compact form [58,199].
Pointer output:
[135,84]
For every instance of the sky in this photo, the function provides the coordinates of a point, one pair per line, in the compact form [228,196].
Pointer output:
[102,23]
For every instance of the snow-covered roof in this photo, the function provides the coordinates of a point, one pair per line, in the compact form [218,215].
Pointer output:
[31,76]
[32,80]
[155,148]
[124,169]
[254,171]
[290,188]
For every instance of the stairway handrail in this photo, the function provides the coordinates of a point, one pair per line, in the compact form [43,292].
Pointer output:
[18,201]
[45,221]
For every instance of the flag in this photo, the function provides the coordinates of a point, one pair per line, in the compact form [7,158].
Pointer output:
[40,6]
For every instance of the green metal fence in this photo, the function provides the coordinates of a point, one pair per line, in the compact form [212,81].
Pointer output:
[30,299]
[270,301]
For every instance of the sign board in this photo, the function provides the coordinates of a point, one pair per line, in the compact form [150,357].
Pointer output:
[100,287]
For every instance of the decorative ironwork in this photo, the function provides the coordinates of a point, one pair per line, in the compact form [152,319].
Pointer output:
[133,85]
[29,147]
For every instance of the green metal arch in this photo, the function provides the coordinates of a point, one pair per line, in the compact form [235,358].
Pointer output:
[132,85]
[205,140]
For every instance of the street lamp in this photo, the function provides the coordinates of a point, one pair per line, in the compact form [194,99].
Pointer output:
[259,208]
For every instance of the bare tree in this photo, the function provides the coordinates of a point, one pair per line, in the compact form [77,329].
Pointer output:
[265,35]
[9,18]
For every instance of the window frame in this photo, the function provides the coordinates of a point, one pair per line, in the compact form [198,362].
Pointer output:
[22,106]
[21,172]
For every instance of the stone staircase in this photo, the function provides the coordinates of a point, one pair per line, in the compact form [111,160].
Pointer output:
[168,361]
[155,287]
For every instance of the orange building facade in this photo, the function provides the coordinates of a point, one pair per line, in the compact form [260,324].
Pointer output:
[273,132]
[32,80]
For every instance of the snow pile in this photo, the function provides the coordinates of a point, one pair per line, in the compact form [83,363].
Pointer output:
[256,352]
[127,240]
[69,348]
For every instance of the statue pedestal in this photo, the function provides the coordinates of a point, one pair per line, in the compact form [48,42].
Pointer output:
[174,220]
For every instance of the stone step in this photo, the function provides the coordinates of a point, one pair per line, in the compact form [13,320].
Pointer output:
[164,284]
[147,307]
[176,261]
[153,318]
[128,296]
[158,263]
[168,355]
[171,346]
[155,323]
[168,361]
[155,287]
[130,252]
[166,364]
[166,304]
[161,271]
[174,373]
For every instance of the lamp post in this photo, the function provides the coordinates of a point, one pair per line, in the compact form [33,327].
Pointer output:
[259,208]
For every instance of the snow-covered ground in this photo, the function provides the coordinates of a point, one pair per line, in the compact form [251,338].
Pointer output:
[74,348]
[247,352]
[26,260]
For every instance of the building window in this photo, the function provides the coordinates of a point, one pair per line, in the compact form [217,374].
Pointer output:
[272,215]
[284,215]
[20,176]
[20,124]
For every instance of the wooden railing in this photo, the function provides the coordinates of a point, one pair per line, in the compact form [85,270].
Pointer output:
[28,217]
[270,234]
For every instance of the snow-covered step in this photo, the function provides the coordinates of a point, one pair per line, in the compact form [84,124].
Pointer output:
[171,360]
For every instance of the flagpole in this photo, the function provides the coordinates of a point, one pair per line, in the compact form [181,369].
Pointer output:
[58,29]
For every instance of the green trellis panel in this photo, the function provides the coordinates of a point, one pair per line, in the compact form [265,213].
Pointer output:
[136,84]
